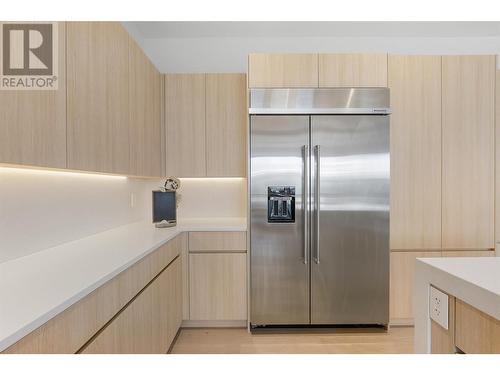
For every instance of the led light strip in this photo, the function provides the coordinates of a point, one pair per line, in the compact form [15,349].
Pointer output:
[55,172]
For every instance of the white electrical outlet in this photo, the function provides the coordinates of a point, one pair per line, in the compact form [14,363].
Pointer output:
[438,306]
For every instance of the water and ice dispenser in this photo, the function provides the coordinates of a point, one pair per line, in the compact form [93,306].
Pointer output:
[281,204]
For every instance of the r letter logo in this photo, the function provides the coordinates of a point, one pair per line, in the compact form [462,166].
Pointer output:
[28,56]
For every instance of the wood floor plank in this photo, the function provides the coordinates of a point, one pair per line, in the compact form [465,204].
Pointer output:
[238,340]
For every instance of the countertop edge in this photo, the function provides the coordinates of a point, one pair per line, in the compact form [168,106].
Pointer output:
[474,299]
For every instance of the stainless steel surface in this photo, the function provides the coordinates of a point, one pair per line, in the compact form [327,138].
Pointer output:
[320,101]
[305,200]
[351,283]
[341,207]
[279,278]
[318,111]
[316,199]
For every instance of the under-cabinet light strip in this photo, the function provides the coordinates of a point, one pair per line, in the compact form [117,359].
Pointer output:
[55,172]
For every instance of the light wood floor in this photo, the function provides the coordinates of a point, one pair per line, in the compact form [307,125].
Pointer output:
[239,340]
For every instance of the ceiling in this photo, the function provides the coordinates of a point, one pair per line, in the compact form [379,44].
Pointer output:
[191,29]
[223,47]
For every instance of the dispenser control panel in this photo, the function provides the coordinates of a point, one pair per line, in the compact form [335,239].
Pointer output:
[281,204]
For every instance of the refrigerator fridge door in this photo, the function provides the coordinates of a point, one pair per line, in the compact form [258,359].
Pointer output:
[279,152]
[350,172]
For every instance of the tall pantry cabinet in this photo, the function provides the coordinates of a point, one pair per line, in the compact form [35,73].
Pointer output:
[415,84]
[468,152]
[442,164]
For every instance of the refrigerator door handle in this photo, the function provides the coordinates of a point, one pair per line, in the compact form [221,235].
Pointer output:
[316,199]
[305,194]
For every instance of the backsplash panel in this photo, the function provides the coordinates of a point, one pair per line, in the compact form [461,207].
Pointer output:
[40,208]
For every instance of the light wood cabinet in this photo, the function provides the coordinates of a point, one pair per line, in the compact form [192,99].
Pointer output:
[172,299]
[217,241]
[468,152]
[205,121]
[144,111]
[149,323]
[217,284]
[415,84]
[469,329]
[475,331]
[33,123]
[226,119]
[185,275]
[131,331]
[185,125]
[282,70]
[353,70]
[401,284]
[105,115]
[98,97]
[217,279]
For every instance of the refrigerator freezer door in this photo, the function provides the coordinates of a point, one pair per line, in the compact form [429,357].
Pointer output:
[350,268]
[279,273]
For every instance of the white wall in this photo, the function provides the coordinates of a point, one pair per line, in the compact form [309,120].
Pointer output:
[229,55]
[202,198]
[212,197]
[40,209]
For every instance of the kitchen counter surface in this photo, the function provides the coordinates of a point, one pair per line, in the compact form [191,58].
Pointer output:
[475,281]
[37,287]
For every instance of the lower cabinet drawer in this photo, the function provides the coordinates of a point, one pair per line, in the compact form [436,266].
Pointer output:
[475,331]
[218,286]
[149,323]
[217,241]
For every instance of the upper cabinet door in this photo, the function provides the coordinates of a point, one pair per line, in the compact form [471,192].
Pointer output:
[145,115]
[185,125]
[33,123]
[468,152]
[415,84]
[353,70]
[226,118]
[282,70]
[98,97]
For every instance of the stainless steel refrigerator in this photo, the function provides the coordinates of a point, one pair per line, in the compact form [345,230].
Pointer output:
[319,206]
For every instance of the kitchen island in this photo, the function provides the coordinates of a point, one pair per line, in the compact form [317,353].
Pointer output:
[470,305]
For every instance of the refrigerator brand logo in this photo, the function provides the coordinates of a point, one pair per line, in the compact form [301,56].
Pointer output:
[29,56]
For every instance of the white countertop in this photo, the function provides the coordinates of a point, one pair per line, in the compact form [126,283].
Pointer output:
[37,287]
[475,281]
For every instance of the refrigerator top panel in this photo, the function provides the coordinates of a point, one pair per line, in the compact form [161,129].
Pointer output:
[359,100]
